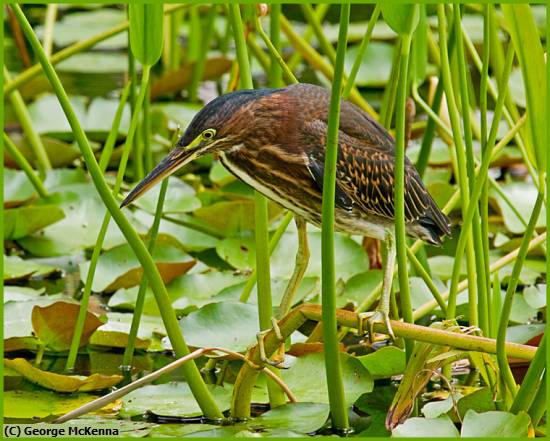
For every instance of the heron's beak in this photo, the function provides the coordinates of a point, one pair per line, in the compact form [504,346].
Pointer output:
[174,161]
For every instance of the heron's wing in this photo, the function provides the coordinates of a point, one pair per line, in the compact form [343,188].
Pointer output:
[366,176]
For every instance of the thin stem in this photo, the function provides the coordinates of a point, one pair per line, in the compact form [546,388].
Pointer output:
[35,142]
[274,241]
[510,292]
[140,300]
[400,233]
[49,23]
[109,146]
[275,69]
[333,367]
[427,280]
[315,24]
[361,52]
[192,374]
[23,164]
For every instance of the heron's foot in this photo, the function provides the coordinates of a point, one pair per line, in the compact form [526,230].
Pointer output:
[371,318]
[279,359]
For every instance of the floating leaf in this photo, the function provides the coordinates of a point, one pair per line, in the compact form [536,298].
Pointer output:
[307,380]
[16,268]
[173,399]
[62,383]
[441,427]
[17,188]
[359,287]
[495,424]
[21,293]
[384,362]
[180,198]
[119,268]
[375,67]
[298,417]
[535,296]
[229,325]
[523,333]
[57,334]
[435,409]
[480,400]
[22,221]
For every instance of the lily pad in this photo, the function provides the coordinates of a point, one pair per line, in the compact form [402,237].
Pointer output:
[435,409]
[495,424]
[228,325]
[17,188]
[384,362]
[180,198]
[376,64]
[21,293]
[57,334]
[441,427]
[62,383]
[523,333]
[306,378]
[535,296]
[22,221]
[359,287]
[173,399]
[119,268]
[16,268]
[298,417]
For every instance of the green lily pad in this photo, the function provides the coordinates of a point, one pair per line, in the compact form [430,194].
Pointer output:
[16,268]
[523,333]
[119,268]
[78,26]
[21,404]
[359,287]
[523,196]
[495,424]
[480,400]
[21,293]
[435,409]
[535,296]
[306,378]
[441,427]
[239,252]
[22,221]
[298,417]
[180,198]
[17,188]
[228,325]
[173,399]
[376,64]
[384,362]
[47,115]
[115,332]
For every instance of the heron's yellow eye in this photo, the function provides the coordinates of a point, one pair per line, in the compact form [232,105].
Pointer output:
[208,134]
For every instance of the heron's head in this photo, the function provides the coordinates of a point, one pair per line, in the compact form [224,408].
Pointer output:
[222,123]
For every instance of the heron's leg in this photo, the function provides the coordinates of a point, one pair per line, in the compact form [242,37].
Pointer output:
[381,314]
[302,261]
[260,336]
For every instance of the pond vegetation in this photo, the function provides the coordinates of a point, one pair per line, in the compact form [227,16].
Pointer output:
[179,283]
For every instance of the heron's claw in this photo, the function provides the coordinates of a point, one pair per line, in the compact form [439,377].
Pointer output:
[371,318]
[277,362]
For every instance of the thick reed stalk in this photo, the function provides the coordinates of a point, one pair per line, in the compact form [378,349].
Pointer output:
[333,368]
[192,374]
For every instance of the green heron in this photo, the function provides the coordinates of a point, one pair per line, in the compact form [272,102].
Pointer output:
[274,140]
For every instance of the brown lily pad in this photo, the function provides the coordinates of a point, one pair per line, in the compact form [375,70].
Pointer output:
[54,325]
[61,383]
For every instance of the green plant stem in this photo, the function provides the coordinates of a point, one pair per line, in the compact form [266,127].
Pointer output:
[333,368]
[320,12]
[35,142]
[140,300]
[82,312]
[146,132]
[480,180]
[361,52]
[192,374]
[502,360]
[274,241]
[390,91]
[49,23]
[35,70]
[200,64]
[109,146]
[400,234]
[538,406]
[427,279]
[23,164]
[478,298]
[275,70]
[276,58]
[315,24]
[484,198]
[532,380]
[265,306]
[319,63]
